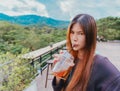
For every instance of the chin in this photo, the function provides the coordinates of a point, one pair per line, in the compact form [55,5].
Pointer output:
[75,49]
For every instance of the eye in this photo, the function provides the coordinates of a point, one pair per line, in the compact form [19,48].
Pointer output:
[81,33]
[72,32]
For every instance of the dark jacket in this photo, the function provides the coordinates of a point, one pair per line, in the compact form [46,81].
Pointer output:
[104,77]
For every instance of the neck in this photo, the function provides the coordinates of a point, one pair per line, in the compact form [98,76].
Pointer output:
[80,54]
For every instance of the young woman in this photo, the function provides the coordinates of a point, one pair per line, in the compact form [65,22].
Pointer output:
[91,72]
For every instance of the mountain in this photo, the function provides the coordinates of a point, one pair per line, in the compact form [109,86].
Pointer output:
[27,20]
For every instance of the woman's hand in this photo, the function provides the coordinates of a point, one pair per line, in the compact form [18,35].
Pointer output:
[62,70]
[57,57]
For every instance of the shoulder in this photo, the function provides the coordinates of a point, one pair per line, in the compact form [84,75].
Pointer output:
[104,73]
[103,65]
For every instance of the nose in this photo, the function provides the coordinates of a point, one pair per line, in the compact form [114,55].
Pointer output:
[74,37]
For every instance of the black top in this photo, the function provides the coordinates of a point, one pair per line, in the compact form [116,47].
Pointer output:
[104,77]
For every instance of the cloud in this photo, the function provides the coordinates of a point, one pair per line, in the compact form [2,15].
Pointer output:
[21,7]
[67,7]
[61,9]
[96,8]
[74,7]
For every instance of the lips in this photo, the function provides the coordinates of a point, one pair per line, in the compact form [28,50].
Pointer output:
[75,45]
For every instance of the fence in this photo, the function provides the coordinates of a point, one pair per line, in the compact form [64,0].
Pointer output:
[44,54]
[36,62]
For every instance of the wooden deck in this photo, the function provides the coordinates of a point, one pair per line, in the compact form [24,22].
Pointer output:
[110,50]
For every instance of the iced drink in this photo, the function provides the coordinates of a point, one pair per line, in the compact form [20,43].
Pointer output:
[65,63]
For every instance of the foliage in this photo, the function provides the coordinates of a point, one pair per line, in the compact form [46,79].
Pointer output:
[109,28]
[14,72]
[14,38]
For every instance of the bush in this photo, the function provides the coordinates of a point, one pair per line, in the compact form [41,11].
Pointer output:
[16,72]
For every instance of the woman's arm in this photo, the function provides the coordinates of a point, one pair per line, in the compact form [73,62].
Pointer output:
[114,85]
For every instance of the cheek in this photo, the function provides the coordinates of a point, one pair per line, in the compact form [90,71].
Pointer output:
[81,40]
[71,37]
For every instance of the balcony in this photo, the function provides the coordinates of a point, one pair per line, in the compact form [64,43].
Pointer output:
[108,49]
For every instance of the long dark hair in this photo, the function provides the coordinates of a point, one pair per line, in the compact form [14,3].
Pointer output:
[83,68]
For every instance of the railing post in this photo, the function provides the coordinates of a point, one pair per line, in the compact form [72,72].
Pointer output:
[51,54]
[40,64]
[57,50]
[32,63]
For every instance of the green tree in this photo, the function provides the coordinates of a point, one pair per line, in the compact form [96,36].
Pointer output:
[15,72]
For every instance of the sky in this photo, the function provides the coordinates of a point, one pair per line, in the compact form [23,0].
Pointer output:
[61,9]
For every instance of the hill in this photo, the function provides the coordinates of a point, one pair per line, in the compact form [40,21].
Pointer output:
[27,20]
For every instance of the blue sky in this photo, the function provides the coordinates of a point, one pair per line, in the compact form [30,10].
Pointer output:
[61,9]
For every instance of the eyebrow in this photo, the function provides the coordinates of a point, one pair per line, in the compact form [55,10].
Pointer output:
[77,31]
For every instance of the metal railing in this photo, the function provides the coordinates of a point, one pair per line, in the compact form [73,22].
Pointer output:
[42,55]
[35,62]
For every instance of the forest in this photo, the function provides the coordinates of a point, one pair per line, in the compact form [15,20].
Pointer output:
[109,28]
[16,40]
[13,38]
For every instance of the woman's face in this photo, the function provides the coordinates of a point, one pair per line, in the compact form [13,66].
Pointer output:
[77,37]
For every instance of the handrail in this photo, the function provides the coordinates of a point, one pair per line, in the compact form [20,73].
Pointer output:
[38,53]
[38,58]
